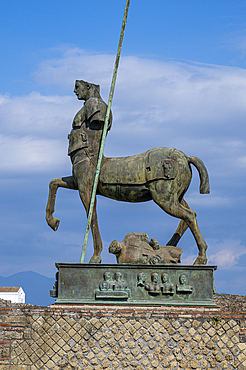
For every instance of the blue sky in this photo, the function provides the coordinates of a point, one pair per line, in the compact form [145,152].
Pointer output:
[181,83]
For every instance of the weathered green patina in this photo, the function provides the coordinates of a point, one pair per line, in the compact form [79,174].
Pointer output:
[135,284]
[160,174]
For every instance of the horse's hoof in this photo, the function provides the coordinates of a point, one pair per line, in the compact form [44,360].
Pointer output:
[53,222]
[95,259]
[200,261]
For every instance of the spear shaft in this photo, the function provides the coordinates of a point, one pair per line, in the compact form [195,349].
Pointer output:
[105,128]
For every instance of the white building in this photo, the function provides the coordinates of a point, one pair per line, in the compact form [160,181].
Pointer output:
[13,294]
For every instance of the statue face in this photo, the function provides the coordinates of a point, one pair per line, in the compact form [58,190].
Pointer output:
[107,276]
[117,276]
[141,277]
[165,278]
[154,277]
[183,280]
[81,89]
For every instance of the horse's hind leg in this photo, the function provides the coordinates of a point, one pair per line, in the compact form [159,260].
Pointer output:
[174,208]
[182,227]
[63,182]
[188,217]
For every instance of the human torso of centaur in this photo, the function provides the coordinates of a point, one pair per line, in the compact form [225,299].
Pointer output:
[87,129]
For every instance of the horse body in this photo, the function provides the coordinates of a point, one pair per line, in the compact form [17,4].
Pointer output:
[164,176]
[160,174]
[127,178]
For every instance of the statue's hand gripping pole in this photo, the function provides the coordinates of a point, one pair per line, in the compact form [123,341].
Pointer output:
[105,128]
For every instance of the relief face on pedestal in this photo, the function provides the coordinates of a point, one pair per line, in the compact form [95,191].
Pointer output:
[141,279]
[154,287]
[183,288]
[167,287]
[111,288]
[164,288]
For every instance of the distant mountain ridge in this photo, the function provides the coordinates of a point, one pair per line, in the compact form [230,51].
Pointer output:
[37,287]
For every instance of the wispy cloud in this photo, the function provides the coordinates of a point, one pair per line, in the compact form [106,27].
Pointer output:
[188,260]
[33,132]
[194,107]
[73,64]
[29,155]
[228,253]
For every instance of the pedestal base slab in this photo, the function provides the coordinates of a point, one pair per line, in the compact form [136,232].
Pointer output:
[134,284]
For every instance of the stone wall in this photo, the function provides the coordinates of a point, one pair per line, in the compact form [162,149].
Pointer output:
[117,337]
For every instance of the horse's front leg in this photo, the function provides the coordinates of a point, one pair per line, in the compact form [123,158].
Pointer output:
[63,182]
[97,241]
[85,195]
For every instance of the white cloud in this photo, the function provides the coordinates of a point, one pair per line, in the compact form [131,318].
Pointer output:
[27,154]
[36,115]
[76,64]
[34,132]
[228,253]
[197,108]
[188,260]
[170,90]
[227,256]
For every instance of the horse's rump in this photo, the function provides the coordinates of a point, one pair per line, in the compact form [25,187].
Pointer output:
[157,163]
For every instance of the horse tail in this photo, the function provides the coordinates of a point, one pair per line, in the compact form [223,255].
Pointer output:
[203,174]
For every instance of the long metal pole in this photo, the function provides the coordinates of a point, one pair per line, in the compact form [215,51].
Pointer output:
[105,128]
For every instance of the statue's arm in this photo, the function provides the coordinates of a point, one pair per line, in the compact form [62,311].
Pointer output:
[79,118]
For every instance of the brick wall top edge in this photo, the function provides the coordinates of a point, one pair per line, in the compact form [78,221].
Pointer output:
[227,304]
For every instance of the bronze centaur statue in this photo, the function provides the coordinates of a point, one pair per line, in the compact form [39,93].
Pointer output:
[160,174]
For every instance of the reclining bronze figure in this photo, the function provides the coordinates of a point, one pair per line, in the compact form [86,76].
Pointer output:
[160,174]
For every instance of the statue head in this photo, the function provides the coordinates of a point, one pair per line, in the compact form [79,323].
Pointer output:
[141,277]
[156,260]
[118,276]
[183,279]
[165,278]
[85,90]
[115,247]
[154,277]
[107,276]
